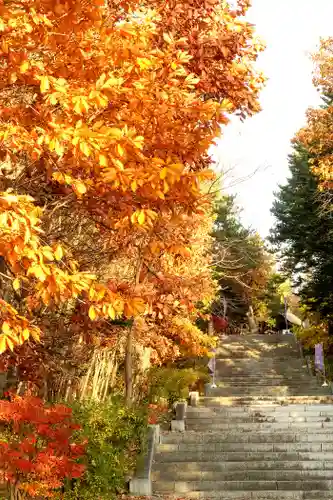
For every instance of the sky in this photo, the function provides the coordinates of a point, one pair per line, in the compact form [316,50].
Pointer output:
[291,30]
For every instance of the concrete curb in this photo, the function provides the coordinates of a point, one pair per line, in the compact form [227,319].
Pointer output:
[141,483]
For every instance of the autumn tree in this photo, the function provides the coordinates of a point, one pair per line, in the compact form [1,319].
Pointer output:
[107,113]
[316,135]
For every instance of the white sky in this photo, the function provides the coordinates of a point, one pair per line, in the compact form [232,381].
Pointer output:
[291,30]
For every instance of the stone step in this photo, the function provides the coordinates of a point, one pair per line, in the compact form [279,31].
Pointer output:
[289,447]
[268,391]
[268,366]
[282,409]
[188,486]
[278,355]
[312,381]
[283,376]
[238,354]
[246,427]
[268,362]
[255,495]
[181,474]
[273,465]
[247,367]
[267,457]
[264,400]
[257,416]
[264,435]
[256,337]
[269,377]
[216,423]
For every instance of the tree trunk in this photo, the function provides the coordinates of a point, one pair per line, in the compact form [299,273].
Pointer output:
[330,328]
[129,349]
[252,322]
[129,368]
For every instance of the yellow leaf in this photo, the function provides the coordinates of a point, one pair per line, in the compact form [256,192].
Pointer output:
[114,132]
[58,253]
[38,272]
[80,188]
[163,173]
[58,148]
[92,313]
[100,81]
[103,161]
[25,334]
[144,62]
[118,163]
[16,284]
[53,99]
[111,82]
[134,217]
[47,252]
[44,84]
[141,217]
[35,333]
[112,312]
[6,327]
[85,148]
[3,345]
[81,104]
[138,142]
[121,150]
[24,67]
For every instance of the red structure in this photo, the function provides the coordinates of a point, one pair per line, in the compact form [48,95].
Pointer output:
[220,323]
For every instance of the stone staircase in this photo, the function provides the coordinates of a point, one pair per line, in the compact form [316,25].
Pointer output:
[265,432]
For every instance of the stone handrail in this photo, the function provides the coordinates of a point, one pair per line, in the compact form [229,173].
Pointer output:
[141,483]
[178,423]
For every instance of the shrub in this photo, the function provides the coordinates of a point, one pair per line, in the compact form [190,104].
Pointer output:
[37,450]
[173,384]
[314,334]
[115,438]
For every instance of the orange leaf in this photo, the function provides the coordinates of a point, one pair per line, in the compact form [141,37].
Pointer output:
[10,343]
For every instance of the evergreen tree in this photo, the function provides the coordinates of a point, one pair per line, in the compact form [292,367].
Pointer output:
[303,233]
